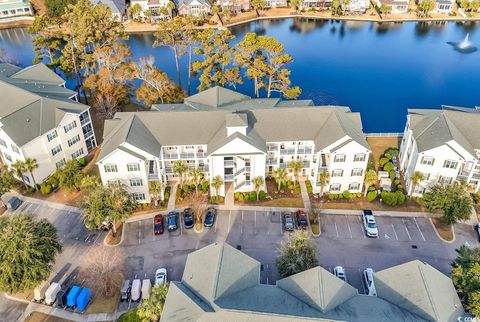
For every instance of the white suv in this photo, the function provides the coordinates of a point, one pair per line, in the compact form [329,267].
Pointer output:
[369,223]
[161,276]
[339,272]
[368,282]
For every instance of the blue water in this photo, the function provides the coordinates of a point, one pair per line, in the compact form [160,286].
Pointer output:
[380,70]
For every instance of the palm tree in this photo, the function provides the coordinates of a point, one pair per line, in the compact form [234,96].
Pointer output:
[19,168]
[258,183]
[217,182]
[370,179]
[155,188]
[415,179]
[180,167]
[196,175]
[323,179]
[295,167]
[30,165]
[280,176]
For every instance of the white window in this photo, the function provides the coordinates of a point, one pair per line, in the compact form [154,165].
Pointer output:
[357,172]
[359,157]
[335,187]
[70,126]
[138,196]
[2,142]
[419,190]
[52,135]
[110,168]
[74,140]
[354,186]
[133,167]
[445,180]
[339,158]
[60,163]
[77,153]
[15,149]
[450,164]
[189,147]
[337,173]
[114,182]
[8,157]
[427,160]
[136,183]
[56,149]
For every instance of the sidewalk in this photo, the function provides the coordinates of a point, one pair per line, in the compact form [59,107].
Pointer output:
[306,199]
[173,196]
[51,204]
[60,313]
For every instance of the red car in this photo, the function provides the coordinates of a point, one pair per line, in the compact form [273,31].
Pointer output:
[302,219]
[158,225]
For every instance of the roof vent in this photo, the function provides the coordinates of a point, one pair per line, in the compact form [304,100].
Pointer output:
[28,120]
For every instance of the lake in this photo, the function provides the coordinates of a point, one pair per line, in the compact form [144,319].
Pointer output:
[380,70]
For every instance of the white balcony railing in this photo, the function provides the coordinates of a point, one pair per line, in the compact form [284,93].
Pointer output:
[228,163]
[287,151]
[184,155]
[201,155]
[228,177]
[170,156]
[88,134]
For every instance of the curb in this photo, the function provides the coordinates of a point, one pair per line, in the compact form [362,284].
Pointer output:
[51,204]
[440,237]
[16,299]
[121,238]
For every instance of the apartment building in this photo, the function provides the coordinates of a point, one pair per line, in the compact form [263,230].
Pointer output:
[157,8]
[220,283]
[359,6]
[228,134]
[397,6]
[443,145]
[235,6]
[194,8]
[276,3]
[41,119]
[14,9]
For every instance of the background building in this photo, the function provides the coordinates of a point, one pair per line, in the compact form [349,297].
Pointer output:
[14,9]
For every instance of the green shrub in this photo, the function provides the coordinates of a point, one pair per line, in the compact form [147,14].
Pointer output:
[392,151]
[186,189]
[221,199]
[236,195]
[53,181]
[388,156]
[399,187]
[393,198]
[476,198]
[372,188]
[31,190]
[393,175]
[371,195]
[213,199]
[240,196]
[290,185]
[253,195]
[204,186]
[346,194]
[359,195]
[308,183]
[45,188]
[178,194]
[166,195]
[382,161]
[331,196]
[397,182]
[82,162]
[246,196]
[297,189]
[262,195]
[388,167]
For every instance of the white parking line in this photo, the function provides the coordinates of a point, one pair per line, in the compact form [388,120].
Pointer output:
[139,230]
[349,229]
[241,226]
[336,229]
[416,223]
[255,221]
[408,233]
[281,223]
[229,218]
[361,227]
[395,232]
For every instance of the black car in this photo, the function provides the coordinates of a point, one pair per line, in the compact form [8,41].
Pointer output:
[172,221]
[14,203]
[209,217]
[188,218]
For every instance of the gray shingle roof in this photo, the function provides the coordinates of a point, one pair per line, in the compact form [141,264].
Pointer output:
[221,283]
[434,128]
[33,103]
[195,122]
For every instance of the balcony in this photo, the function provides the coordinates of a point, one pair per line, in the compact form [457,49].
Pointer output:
[306,164]
[242,170]
[85,120]
[247,168]
[272,161]
[184,155]
[201,155]
[228,177]
[239,185]
[322,169]
[476,175]
[203,168]
[153,177]
[170,156]
[287,151]
[282,165]
[304,151]
[88,134]
[228,163]
[272,148]
[168,170]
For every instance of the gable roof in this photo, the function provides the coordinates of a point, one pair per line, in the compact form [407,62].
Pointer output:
[421,289]
[434,128]
[40,73]
[318,288]
[196,123]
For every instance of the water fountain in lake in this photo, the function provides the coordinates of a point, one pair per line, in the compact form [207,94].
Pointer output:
[465,46]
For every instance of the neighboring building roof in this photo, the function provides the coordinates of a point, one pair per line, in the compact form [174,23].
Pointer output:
[421,289]
[33,101]
[187,3]
[220,283]
[116,6]
[204,117]
[434,128]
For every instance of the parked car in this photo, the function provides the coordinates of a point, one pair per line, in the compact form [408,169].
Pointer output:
[369,223]
[339,272]
[288,225]
[158,224]
[210,217]
[39,291]
[83,299]
[302,220]
[172,221]
[188,218]
[367,278]
[51,293]
[136,290]
[146,289]
[14,203]
[477,229]
[125,291]
[161,276]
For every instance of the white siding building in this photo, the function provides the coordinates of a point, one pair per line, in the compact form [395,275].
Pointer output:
[156,7]
[41,119]
[359,6]
[227,134]
[443,145]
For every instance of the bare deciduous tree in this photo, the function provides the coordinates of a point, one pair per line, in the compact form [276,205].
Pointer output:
[199,204]
[106,105]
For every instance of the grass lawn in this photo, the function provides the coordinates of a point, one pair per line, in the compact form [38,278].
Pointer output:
[41,317]
[362,203]
[281,202]
[111,240]
[130,316]
[380,144]
[443,229]
[314,223]
[101,304]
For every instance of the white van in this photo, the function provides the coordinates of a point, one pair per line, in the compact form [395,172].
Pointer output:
[368,282]
[51,293]
[146,289]
[136,292]
[39,291]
